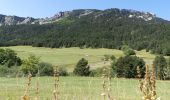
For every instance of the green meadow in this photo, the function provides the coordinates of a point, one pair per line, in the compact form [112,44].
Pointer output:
[68,57]
[72,87]
[77,88]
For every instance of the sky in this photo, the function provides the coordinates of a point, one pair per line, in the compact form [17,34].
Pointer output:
[47,8]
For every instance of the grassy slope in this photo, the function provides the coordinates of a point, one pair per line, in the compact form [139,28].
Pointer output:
[70,56]
[78,88]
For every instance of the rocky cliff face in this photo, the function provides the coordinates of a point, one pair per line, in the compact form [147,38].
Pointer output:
[114,12]
[15,20]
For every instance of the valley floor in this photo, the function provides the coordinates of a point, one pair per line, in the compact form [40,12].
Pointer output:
[77,88]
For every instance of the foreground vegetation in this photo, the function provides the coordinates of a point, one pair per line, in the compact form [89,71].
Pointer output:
[78,88]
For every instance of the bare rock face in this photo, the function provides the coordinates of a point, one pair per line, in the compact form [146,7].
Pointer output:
[15,20]
[79,13]
[9,20]
[27,20]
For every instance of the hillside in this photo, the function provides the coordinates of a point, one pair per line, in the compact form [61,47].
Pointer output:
[68,57]
[110,28]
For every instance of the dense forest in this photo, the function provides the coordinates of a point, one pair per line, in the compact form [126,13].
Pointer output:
[109,28]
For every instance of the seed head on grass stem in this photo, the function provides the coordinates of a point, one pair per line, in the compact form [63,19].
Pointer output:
[26,94]
[148,85]
[56,84]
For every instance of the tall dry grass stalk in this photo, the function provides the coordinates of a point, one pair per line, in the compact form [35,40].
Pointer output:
[107,92]
[37,87]
[104,76]
[56,84]
[26,93]
[148,85]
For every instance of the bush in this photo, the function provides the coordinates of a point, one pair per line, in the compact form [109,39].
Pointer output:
[63,71]
[126,66]
[82,68]
[9,58]
[161,67]
[108,57]
[45,69]
[127,50]
[166,52]
[30,65]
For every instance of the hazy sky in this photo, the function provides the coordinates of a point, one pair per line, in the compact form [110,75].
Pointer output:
[47,8]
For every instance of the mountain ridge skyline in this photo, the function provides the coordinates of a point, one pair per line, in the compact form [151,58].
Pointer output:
[45,8]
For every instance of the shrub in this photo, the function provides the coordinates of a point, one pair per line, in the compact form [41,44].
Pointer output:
[63,71]
[82,68]
[30,65]
[168,69]
[108,57]
[126,66]
[161,67]
[166,52]
[45,69]
[127,50]
[9,58]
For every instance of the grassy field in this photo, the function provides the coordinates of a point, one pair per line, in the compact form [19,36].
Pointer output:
[77,88]
[68,57]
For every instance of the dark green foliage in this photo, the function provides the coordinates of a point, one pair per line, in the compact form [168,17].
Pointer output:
[161,67]
[82,68]
[166,52]
[127,50]
[30,65]
[168,69]
[45,69]
[108,57]
[63,71]
[126,66]
[9,58]
[110,28]
[112,57]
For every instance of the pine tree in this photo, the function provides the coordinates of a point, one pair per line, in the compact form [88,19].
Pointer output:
[161,67]
[168,68]
[82,68]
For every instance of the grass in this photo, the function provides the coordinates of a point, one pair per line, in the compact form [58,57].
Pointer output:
[68,57]
[77,88]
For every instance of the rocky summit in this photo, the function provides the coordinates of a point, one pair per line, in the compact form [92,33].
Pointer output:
[119,13]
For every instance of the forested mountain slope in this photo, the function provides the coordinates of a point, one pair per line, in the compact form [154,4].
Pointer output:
[110,28]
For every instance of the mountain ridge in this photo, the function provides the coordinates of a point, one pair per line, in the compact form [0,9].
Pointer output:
[16,20]
[92,28]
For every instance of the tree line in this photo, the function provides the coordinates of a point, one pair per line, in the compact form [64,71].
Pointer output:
[126,67]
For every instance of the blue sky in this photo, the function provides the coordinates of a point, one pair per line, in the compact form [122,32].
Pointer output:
[47,8]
